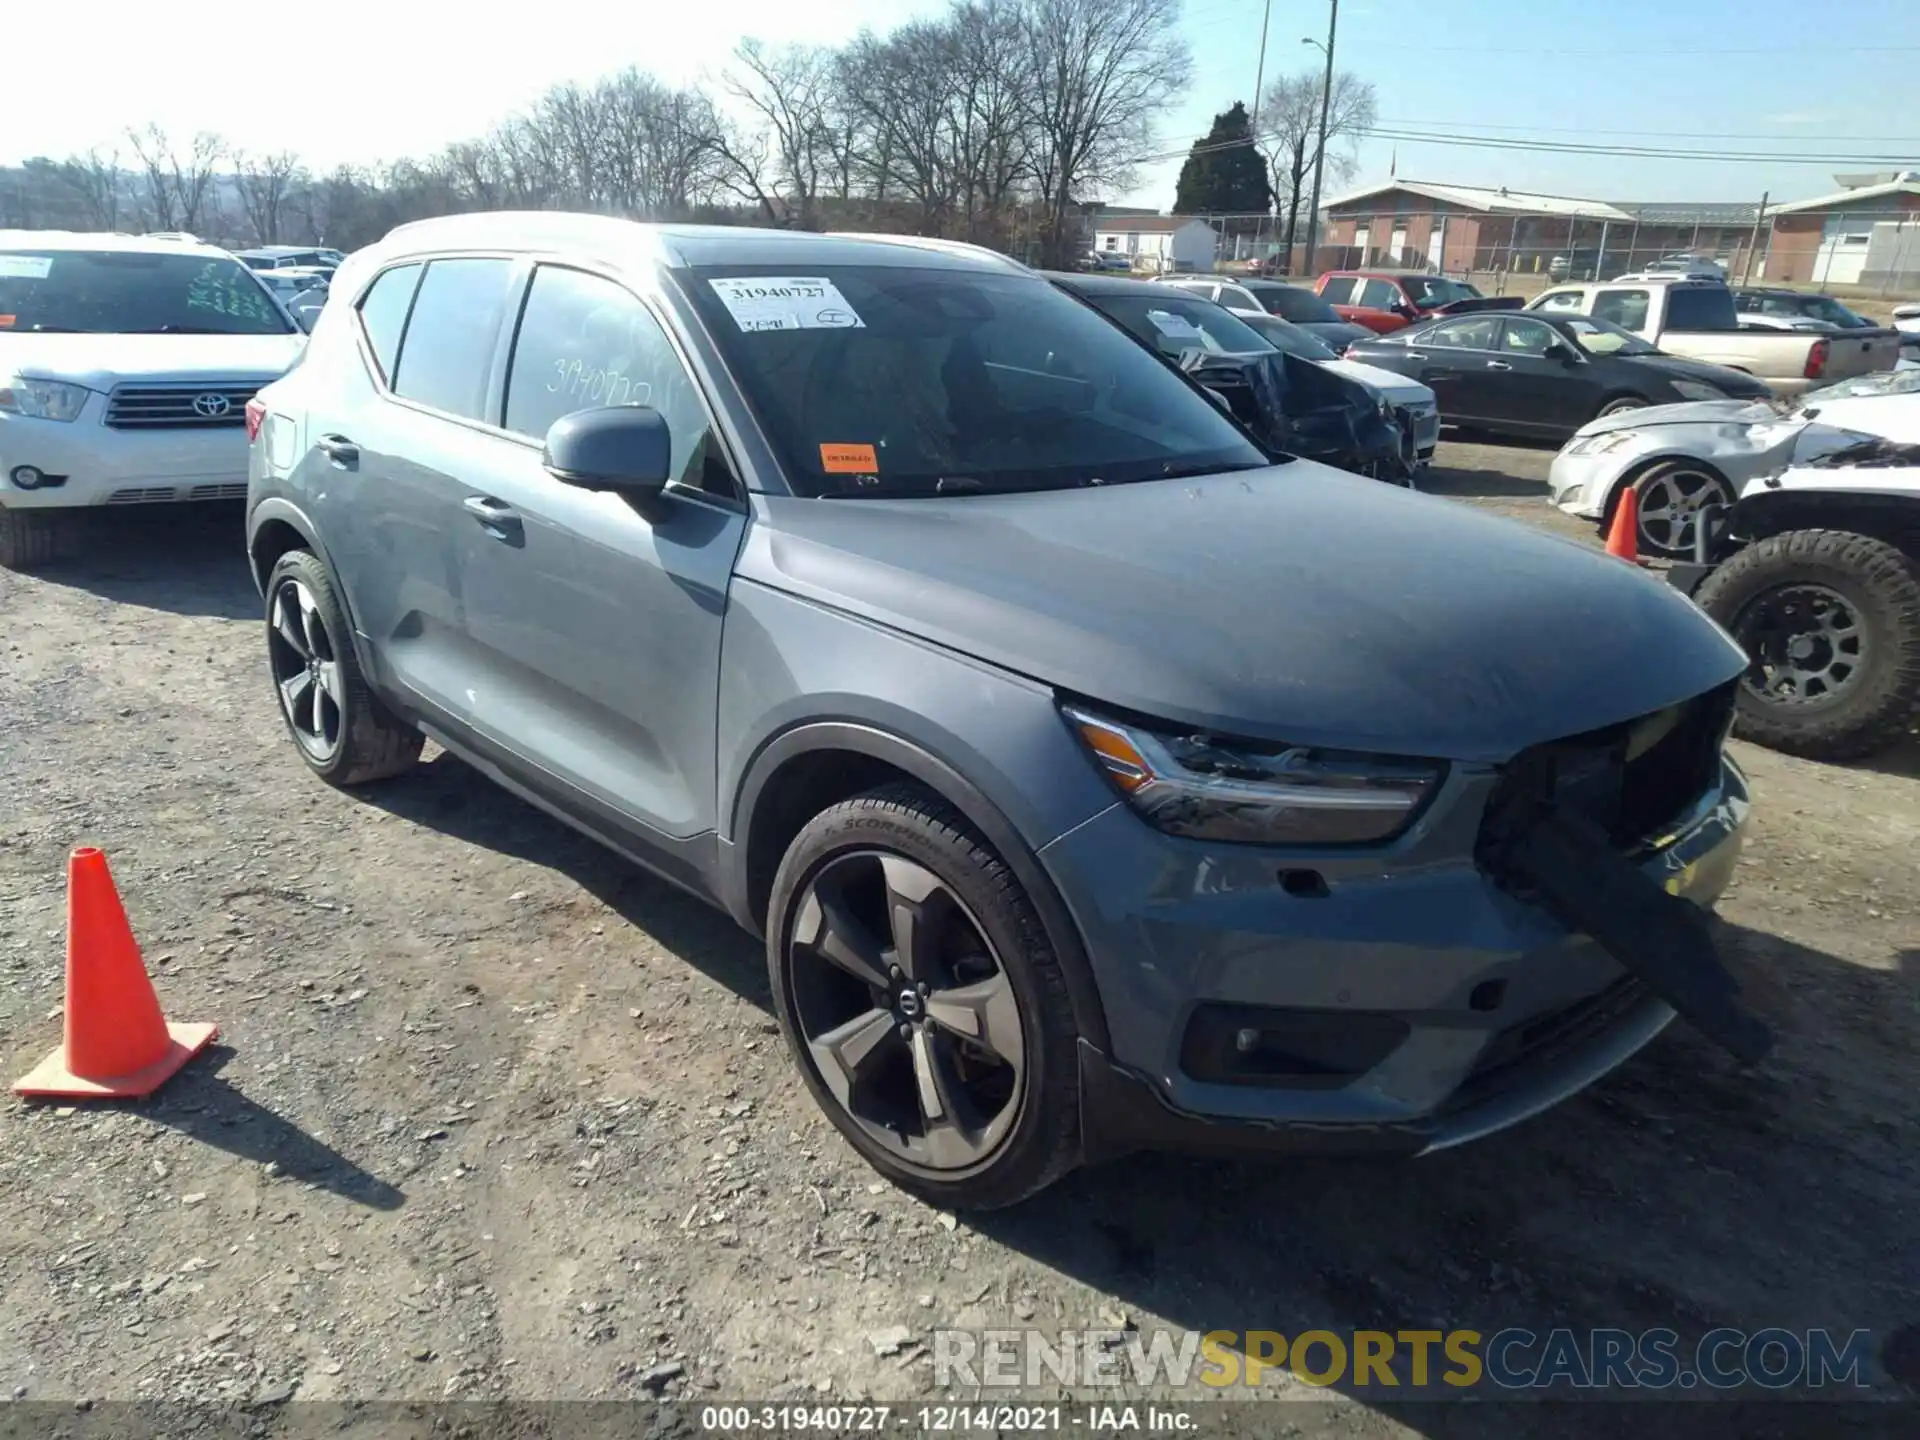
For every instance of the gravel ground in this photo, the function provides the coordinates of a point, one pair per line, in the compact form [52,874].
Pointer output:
[495,1116]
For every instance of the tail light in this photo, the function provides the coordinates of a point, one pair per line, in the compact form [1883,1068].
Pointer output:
[256,412]
[1817,360]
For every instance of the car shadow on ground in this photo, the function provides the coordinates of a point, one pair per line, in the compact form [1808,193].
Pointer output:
[1901,759]
[446,794]
[1483,484]
[1684,1191]
[186,559]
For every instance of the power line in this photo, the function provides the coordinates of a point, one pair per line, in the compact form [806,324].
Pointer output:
[1631,152]
[1671,134]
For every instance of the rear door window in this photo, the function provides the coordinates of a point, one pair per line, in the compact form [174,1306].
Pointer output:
[1339,290]
[1474,332]
[1379,295]
[383,315]
[1625,308]
[447,351]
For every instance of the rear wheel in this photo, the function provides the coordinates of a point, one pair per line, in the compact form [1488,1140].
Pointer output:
[1621,406]
[1831,622]
[341,729]
[922,1001]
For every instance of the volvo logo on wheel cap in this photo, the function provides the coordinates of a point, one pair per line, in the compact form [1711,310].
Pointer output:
[212,405]
[910,1004]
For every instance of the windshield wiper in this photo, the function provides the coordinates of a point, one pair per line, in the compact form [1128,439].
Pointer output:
[57,330]
[189,330]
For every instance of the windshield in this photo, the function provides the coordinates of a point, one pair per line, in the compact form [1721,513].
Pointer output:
[1825,307]
[1290,302]
[1291,338]
[133,292]
[1881,382]
[900,380]
[1603,337]
[1431,290]
[1176,325]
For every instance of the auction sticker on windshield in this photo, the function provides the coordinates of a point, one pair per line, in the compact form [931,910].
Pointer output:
[25,267]
[849,460]
[1175,327]
[786,302]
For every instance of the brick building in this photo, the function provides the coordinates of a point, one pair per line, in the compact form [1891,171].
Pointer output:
[1865,234]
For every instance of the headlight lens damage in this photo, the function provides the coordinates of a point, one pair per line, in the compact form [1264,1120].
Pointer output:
[1600,444]
[1699,390]
[1245,792]
[41,399]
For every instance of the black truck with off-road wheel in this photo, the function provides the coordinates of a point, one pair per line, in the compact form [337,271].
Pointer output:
[1816,572]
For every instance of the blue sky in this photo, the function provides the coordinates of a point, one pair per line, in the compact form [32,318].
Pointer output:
[1645,72]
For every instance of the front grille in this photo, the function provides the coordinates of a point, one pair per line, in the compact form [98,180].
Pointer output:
[218,492]
[1632,780]
[141,495]
[179,407]
[1424,421]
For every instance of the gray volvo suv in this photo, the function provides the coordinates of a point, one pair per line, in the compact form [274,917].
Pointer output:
[1097,780]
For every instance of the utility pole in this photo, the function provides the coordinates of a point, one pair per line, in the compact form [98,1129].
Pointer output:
[1753,240]
[1320,155]
[1260,74]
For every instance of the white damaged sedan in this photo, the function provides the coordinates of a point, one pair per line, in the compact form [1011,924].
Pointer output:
[1683,458]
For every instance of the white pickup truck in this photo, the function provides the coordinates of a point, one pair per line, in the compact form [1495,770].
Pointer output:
[126,368]
[1698,319]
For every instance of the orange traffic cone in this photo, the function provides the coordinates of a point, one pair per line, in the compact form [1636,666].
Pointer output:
[1623,539]
[118,1044]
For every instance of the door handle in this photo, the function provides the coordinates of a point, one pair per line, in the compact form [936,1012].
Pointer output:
[496,515]
[1498,365]
[339,449]
[1417,355]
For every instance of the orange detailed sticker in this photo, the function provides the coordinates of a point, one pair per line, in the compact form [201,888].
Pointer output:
[6,322]
[849,460]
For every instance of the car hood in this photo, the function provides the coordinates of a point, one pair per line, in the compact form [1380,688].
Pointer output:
[1674,367]
[1397,388]
[1690,412]
[1293,603]
[100,362]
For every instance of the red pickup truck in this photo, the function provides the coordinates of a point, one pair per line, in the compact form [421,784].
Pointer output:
[1389,300]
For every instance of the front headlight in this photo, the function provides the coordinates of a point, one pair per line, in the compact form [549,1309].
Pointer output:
[1599,444]
[1254,793]
[1699,390]
[41,399]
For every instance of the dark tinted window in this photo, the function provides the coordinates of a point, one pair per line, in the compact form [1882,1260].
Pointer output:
[384,314]
[1302,307]
[1283,335]
[1474,332]
[134,292]
[1528,337]
[1174,324]
[1430,290]
[1339,290]
[1699,307]
[585,342]
[908,380]
[448,347]
[1380,294]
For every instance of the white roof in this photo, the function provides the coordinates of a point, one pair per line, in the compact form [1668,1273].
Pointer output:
[45,241]
[1847,197]
[1481,197]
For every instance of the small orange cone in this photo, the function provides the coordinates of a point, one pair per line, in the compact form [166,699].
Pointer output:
[1623,539]
[118,1045]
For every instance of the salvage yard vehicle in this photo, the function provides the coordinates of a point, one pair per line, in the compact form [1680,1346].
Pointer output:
[125,369]
[1415,406]
[1697,319]
[1544,375]
[1377,298]
[1684,461]
[1096,781]
[1777,309]
[1816,571]
[1313,407]
[1295,304]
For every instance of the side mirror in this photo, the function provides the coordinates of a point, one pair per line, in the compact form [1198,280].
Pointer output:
[624,448]
[1563,352]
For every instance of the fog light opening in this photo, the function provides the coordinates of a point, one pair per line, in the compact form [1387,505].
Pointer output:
[1488,995]
[27,477]
[1304,884]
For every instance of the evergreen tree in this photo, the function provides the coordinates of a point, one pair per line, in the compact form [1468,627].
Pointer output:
[1225,174]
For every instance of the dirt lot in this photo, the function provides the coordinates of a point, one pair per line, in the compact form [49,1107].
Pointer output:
[496,1116]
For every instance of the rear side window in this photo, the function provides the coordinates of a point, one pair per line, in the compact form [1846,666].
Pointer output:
[383,315]
[1625,308]
[448,347]
[1472,333]
[1339,290]
[1379,295]
[584,342]
[1701,307]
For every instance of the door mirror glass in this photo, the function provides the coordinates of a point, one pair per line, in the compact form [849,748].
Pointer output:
[1563,352]
[613,447]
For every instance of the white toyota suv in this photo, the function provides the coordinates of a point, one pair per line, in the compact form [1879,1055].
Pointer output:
[126,365]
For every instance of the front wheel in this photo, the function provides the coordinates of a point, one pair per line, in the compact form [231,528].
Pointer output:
[1831,623]
[922,1001]
[343,732]
[32,538]
[1672,497]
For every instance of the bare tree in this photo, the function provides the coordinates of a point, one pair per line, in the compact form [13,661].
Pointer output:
[1290,134]
[177,188]
[1101,73]
[97,186]
[786,93]
[265,184]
